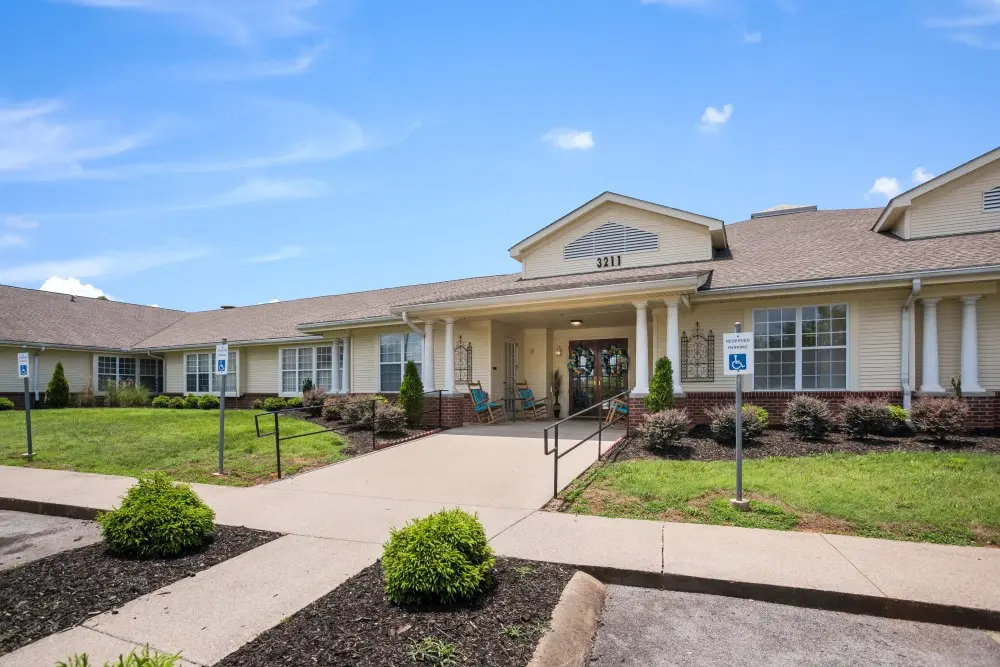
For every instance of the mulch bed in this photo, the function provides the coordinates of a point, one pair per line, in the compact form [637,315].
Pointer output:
[355,625]
[359,441]
[63,590]
[700,446]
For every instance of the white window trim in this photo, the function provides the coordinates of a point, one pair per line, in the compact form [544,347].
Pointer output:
[378,358]
[231,390]
[798,348]
[333,370]
[98,390]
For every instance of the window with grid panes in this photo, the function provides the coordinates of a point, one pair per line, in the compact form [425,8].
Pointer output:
[394,351]
[299,364]
[774,348]
[200,377]
[801,348]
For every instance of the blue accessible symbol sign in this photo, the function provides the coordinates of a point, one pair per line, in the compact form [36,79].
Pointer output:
[222,367]
[738,348]
[737,362]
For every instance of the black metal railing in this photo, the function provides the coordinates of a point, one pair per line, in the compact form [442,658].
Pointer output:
[601,426]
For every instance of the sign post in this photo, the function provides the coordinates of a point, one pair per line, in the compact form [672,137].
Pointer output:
[221,371]
[24,371]
[738,350]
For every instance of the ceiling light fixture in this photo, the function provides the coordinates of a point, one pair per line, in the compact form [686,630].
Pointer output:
[576,323]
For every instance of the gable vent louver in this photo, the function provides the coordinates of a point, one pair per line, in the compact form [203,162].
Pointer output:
[611,238]
[991,200]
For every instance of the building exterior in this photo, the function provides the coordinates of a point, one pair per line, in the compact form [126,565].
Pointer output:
[894,302]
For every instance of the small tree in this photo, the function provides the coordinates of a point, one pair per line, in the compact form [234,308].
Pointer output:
[661,389]
[57,395]
[411,394]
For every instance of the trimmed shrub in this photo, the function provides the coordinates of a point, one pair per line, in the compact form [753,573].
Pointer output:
[898,414]
[357,410]
[274,403]
[332,406]
[808,417]
[755,421]
[863,418]
[307,385]
[178,403]
[665,428]
[191,402]
[209,402]
[146,658]
[441,558]
[940,417]
[132,395]
[157,519]
[161,402]
[258,404]
[389,418]
[313,399]
[411,394]
[57,394]
[6,404]
[111,394]
[293,402]
[661,387]
[86,398]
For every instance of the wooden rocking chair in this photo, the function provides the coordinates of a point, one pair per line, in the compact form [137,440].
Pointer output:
[526,397]
[486,410]
[617,409]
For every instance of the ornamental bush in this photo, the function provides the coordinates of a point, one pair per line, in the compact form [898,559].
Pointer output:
[411,394]
[808,417]
[755,421]
[6,404]
[389,418]
[357,410]
[57,394]
[191,402]
[161,401]
[157,519]
[898,414]
[209,402]
[293,402]
[664,428]
[863,418]
[332,406]
[258,404]
[132,395]
[441,558]
[307,385]
[146,658]
[661,387]
[178,403]
[313,399]
[940,417]
[274,403]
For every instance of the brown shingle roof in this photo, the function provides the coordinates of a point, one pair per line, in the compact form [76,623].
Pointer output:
[32,316]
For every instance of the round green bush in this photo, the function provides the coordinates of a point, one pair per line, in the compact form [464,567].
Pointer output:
[6,404]
[157,519]
[808,417]
[274,403]
[191,402]
[209,402]
[442,558]
[161,402]
[293,402]
[723,424]
[258,404]
[177,402]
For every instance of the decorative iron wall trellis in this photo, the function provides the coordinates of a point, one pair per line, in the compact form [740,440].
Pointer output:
[463,362]
[697,355]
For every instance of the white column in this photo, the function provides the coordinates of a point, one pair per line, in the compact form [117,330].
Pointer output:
[674,344]
[449,355]
[335,373]
[970,345]
[931,382]
[641,350]
[345,371]
[428,365]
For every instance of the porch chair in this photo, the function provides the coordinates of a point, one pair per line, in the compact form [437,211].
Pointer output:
[486,410]
[617,408]
[527,399]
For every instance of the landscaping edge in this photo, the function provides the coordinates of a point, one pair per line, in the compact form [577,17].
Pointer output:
[574,624]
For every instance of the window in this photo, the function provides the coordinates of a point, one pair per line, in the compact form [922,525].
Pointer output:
[991,199]
[299,364]
[200,377]
[800,348]
[394,351]
[151,374]
[611,238]
[123,369]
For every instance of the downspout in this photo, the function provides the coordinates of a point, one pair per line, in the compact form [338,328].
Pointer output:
[906,315]
[42,349]
[407,322]
[423,367]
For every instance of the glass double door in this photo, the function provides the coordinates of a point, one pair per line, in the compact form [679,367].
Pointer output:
[598,370]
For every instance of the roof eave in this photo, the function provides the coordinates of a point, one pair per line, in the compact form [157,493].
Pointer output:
[346,324]
[233,343]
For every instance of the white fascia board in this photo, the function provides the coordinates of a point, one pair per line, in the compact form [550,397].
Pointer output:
[349,324]
[61,346]
[904,199]
[687,282]
[713,224]
[232,343]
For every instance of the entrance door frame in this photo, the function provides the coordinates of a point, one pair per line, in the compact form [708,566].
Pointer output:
[595,344]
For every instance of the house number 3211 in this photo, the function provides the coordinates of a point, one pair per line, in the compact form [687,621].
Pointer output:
[609,261]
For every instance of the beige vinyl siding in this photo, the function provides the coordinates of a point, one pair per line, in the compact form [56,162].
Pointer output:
[77,365]
[364,359]
[949,340]
[470,331]
[717,317]
[499,332]
[878,342]
[173,369]
[261,368]
[988,316]
[537,356]
[956,208]
[679,241]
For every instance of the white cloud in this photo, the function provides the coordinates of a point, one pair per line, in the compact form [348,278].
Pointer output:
[282,253]
[12,241]
[714,118]
[154,305]
[71,286]
[921,175]
[974,25]
[273,301]
[263,189]
[264,69]
[107,264]
[239,22]
[569,139]
[752,37]
[886,186]
[37,144]
[975,41]
[19,222]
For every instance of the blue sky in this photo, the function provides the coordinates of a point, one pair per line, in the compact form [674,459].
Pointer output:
[190,153]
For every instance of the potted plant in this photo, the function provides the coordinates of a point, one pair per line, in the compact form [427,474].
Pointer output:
[556,388]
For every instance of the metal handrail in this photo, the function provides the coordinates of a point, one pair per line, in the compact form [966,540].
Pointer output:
[599,433]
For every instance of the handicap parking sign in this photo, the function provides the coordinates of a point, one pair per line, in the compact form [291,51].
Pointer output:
[738,351]
[23,365]
[737,362]
[222,359]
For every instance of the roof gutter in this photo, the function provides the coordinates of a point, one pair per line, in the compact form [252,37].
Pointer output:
[407,322]
[233,343]
[360,322]
[61,346]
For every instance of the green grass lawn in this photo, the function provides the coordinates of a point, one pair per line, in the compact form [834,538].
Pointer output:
[932,497]
[182,443]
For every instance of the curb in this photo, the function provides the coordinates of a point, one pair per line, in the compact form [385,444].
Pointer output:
[49,509]
[574,624]
[851,603]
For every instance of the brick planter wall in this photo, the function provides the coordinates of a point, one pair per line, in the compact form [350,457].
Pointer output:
[455,410]
[984,411]
[636,411]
